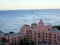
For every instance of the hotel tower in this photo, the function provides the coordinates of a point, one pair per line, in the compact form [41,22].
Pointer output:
[41,34]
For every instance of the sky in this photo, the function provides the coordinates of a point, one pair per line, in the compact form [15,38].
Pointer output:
[13,20]
[29,4]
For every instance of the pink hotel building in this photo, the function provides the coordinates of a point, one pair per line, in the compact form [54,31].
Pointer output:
[39,33]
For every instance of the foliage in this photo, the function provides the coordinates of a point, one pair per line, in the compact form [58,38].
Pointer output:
[26,42]
[4,40]
[11,32]
[58,27]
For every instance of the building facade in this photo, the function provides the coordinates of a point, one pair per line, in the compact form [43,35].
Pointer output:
[38,33]
[12,39]
[41,34]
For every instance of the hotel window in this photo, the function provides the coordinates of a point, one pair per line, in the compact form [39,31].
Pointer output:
[43,38]
[50,41]
[50,35]
[15,39]
[12,40]
[46,39]
[38,35]
[29,31]
[35,40]
[43,33]
[29,34]
[59,38]
[55,41]
[46,35]
[54,36]
[34,33]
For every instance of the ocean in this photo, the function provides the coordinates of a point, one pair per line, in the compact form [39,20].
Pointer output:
[13,20]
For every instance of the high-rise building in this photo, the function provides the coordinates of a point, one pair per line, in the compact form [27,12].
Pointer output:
[41,34]
[38,33]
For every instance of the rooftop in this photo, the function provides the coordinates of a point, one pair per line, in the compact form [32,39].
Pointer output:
[7,34]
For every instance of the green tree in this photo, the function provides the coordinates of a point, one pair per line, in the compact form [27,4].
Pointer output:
[26,42]
[4,40]
[32,43]
[11,32]
[57,26]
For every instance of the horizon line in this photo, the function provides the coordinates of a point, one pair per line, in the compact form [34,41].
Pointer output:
[31,9]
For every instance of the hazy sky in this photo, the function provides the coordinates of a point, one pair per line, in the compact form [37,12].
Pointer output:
[29,4]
